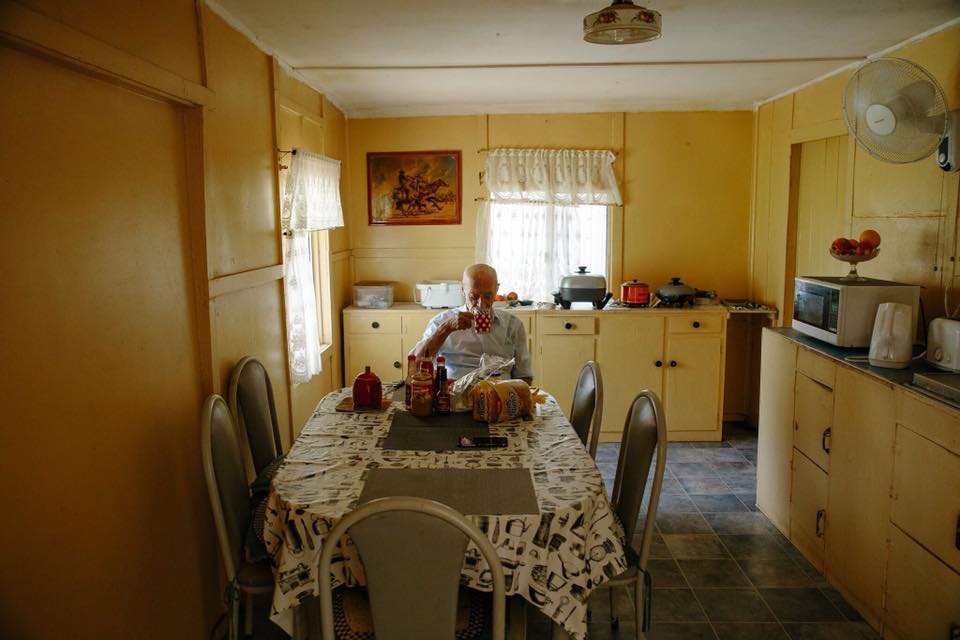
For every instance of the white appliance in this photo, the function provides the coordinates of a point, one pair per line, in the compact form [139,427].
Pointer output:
[439,294]
[943,344]
[842,312]
[891,345]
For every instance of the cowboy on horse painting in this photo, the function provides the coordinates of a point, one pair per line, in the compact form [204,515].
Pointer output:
[414,187]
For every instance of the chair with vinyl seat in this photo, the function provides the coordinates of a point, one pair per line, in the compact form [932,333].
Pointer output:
[644,433]
[251,403]
[586,413]
[412,551]
[226,478]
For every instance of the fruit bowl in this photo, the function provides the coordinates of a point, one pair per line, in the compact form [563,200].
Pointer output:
[853,258]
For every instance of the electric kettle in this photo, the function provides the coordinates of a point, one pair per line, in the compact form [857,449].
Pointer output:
[891,346]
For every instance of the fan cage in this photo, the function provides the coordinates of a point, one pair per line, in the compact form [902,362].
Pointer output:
[922,119]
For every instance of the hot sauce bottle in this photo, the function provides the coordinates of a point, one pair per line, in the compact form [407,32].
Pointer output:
[408,381]
[441,392]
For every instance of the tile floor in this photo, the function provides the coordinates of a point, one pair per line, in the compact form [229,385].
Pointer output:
[720,569]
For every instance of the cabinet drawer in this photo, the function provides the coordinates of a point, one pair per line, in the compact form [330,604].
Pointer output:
[813,419]
[817,367]
[808,508]
[372,323]
[921,594]
[929,419]
[926,494]
[692,323]
[560,325]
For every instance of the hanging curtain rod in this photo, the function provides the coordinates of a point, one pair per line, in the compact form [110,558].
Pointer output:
[488,150]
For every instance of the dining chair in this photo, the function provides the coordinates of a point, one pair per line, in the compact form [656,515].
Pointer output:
[230,502]
[251,403]
[413,552]
[644,433]
[586,413]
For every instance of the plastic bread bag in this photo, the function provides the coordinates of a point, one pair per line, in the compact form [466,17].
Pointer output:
[462,391]
[501,401]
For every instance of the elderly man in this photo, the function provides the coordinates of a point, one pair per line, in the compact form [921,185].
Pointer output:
[452,334]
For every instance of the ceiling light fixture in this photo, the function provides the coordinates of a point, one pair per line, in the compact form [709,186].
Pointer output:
[622,23]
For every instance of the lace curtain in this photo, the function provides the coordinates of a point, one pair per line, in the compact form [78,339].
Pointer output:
[547,215]
[560,176]
[310,202]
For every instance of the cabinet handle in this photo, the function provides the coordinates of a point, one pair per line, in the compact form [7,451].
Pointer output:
[568,325]
[956,539]
[396,364]
[375,325]
[954,632]
[673,363]
[658,363]
[824,437]
[696,324]
[821,515]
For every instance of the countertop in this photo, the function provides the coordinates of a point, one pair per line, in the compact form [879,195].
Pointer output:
[577,308]
[900,377]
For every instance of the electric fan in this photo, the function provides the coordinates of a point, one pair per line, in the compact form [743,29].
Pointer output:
[898,112]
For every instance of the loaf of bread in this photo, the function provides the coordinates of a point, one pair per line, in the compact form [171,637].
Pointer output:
[501,401]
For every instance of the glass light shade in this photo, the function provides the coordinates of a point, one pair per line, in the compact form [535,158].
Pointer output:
[622,23]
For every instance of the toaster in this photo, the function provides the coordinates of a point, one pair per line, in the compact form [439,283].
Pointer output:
[943,344]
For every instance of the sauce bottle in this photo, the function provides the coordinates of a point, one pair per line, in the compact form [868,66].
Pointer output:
[441,392]
[408,381]
[421,394]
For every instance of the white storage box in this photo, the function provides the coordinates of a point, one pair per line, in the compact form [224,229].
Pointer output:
[439,294]
[373,295]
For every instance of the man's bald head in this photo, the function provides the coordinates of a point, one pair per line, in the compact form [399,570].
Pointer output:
[480,285]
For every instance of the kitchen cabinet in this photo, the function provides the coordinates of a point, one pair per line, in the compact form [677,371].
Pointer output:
[634,348]
[778,363]
[635,344]
[693,365]
[813,418]
[858,506]
[808,508]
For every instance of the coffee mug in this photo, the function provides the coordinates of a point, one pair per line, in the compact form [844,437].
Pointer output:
[482,320]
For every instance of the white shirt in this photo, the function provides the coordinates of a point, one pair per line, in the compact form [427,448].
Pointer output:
[462,349]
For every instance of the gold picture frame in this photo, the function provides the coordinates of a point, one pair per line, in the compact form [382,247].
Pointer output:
[414,187]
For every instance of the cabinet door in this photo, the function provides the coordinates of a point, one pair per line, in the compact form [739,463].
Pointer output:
[923,594]
[414,324]
[628,350]
[861,461]
[382,353]
[778,362]
[812,419]
[808,505]
[693,366]
[561,358]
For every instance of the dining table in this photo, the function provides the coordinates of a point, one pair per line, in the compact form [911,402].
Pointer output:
[540,500]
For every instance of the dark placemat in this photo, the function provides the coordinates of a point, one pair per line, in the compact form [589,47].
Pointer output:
[469,491]
[435,433]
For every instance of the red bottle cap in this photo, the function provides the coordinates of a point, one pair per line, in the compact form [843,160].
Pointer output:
[441,359]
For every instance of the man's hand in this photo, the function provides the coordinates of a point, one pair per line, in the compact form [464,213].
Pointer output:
[463,320]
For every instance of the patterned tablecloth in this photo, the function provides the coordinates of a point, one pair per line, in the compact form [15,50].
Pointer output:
[553,559]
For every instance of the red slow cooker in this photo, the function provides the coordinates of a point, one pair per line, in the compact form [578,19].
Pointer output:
[635,294]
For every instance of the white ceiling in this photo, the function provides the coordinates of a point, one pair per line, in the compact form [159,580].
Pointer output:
[429,57]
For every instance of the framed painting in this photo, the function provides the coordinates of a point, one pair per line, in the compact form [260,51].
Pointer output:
[413,187]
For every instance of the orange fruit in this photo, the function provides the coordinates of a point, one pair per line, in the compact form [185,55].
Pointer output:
[871,237]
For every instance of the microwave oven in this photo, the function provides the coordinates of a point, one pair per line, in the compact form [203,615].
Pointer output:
[841,311]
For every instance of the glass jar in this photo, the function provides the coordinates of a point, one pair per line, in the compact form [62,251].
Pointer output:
[421,394]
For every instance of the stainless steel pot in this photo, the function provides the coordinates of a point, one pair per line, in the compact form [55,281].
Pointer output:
[582,286]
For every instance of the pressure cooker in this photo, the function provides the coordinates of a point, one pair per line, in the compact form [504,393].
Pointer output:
[582,286]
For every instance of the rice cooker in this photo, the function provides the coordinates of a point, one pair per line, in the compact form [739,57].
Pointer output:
[582,286]
[943,344]
[439,294]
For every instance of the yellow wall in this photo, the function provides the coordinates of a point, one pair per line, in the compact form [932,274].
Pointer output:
[685,179]
[842,190]
[141,258]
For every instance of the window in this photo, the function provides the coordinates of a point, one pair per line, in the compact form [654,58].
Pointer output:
[533,245]
[547,215]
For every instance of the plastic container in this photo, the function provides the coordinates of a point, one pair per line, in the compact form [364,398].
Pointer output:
[373,295]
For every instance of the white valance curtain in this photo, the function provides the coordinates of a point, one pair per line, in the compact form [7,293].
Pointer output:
[546,215]
[560,176]
[311,194]
[310,202]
